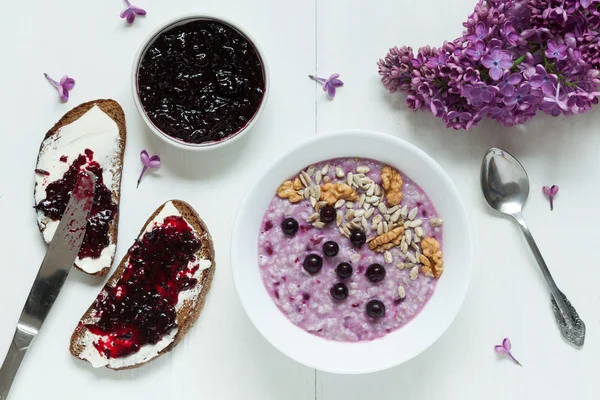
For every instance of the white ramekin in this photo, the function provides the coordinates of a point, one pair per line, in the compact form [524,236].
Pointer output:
[134,82]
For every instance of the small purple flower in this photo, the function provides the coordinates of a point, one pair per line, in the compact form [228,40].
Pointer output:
[477,51]
[438,61]
[330,84]
[148,162]
[504,348]
[481,32]
[521,99]
[508,82]
[63,86]
[541,79]
[555,50]
[554,105]
[131,11]
[480,93]
[550,192]
[497,61]
[509,33]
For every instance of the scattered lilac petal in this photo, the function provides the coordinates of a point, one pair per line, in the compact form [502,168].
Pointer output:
[330,84]
[148,162]
[63,86]
[130,12]
[504,349]
[550,193]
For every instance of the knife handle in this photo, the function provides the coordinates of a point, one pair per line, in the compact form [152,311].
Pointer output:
[12,362]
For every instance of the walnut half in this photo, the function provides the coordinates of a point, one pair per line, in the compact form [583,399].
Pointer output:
[392,183]
[387,240]
[286,191]
[332,192]
[431,258]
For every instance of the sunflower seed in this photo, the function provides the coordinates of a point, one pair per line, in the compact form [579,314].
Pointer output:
[416,223]
[401,292]
[407,225]
[322,203]
[414,246]
[313,202]
[346,230]
[418,254]
[313,217]
[317,190]
[306,178]
[306,194]
[356,224]
[404,212]
[364,223]
[325,169]
[385,227]
[408,235]
[361,199]
[349,178]
[377,190]
[339,217]
[359,213]
[318,177]
[436,222]
[396,215]
[414,272]
[369,213]
[339,172]
[380,228]
[393,210]
[372,199]
[362,169]
[409,266]
[319,225]
[386,217]
[349,214]
[349,204]
[339,203]
[311,170]
[366,182]
[343,232]
[366,206]
[413,213]
[303,180]
[357,181]
[382,208]
[400,265]
[416,239]
[326,179]
[419,231]
[411,257]
[387,256]
[371,190]
[373,227]
[355,257]
[377,219]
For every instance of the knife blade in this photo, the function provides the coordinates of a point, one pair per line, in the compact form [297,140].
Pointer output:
[57,263]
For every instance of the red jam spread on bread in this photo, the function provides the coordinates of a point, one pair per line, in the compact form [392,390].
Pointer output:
[103,210]
[140,308]
[201,81]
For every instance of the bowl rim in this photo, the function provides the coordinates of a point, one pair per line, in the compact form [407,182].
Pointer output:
[188,18]
[468,254]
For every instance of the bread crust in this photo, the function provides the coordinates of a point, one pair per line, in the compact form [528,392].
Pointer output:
[190,310]
[115,112]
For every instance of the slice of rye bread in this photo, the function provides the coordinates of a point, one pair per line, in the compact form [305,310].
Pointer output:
[114,111]
[189,311]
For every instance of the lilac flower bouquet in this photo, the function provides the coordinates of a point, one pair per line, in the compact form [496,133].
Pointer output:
[516,57]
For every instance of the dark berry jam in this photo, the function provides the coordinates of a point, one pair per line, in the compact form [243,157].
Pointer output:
[201,82]
[140,308]
[103,210]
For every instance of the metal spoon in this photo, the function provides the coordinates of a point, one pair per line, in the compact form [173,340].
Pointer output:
[505,187]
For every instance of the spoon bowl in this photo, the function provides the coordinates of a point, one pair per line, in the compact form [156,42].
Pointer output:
[504,182]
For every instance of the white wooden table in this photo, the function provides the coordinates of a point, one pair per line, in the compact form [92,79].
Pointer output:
[224,357]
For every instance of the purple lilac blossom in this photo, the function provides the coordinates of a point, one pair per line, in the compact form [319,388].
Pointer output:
[515,58]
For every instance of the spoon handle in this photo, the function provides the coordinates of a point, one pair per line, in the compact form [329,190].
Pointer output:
[571,326]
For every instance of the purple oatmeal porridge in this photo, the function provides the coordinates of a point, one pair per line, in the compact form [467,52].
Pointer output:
[399,264]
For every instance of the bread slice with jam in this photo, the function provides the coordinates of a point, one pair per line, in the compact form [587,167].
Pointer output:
[90,137]
[155,295]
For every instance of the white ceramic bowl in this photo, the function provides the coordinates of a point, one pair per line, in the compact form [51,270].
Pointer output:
[134,81]
[398,346]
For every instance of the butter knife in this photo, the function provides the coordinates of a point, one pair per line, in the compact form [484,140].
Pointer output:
[57,263]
